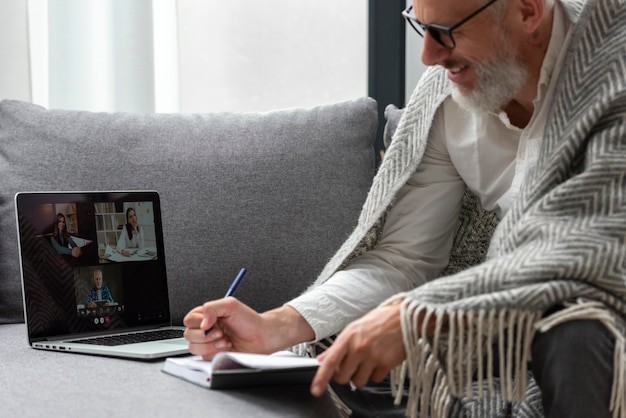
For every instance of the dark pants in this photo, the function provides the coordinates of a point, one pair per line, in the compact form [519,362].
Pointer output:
[371,401]
[572,364]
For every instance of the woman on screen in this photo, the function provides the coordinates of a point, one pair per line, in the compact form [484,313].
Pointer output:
[61,239]
[131,237]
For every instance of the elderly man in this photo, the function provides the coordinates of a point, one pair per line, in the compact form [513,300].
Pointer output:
[99,292]
[524,106]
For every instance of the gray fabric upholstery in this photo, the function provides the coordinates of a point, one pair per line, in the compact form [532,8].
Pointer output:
[37,384]
[392,116]
[276,192]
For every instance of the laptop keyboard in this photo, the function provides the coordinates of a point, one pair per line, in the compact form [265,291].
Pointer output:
[135,337]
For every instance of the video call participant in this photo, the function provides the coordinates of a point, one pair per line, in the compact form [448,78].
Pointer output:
[99,292]
[131,237]
[61,239]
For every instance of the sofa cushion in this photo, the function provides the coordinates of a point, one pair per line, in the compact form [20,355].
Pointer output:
[276,192]
[392,118]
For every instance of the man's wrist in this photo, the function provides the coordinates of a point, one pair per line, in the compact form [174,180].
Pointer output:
[285,327]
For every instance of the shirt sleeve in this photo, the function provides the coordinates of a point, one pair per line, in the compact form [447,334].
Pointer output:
[106,294]
[414,248]
[122,240]
[91,297]
[59,248]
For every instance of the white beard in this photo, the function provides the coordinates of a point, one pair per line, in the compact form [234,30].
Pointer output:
[498,82]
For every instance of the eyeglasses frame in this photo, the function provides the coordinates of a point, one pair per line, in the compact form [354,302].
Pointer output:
[435,29]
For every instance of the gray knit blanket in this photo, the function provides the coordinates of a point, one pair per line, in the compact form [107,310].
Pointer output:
[562,243]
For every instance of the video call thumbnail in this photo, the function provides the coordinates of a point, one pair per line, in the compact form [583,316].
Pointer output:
[95,240]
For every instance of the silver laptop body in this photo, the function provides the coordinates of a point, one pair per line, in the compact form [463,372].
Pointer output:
[93,274]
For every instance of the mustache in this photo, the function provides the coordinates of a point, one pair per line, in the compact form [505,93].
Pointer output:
[448,64]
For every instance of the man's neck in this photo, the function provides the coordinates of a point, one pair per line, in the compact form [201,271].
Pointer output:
[521,108]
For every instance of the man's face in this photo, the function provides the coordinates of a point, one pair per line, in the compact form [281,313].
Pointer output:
[97,280]
[483,69]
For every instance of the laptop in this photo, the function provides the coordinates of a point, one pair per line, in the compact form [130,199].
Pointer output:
[93,274]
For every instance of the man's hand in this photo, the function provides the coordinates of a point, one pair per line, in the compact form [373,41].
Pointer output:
[367,349]
[236,327]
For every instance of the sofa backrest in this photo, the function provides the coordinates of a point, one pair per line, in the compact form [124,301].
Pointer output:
[276,192]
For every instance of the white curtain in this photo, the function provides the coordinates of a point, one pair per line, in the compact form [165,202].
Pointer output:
[15,80]
[182,55]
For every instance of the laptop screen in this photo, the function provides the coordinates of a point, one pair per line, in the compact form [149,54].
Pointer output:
[91,262]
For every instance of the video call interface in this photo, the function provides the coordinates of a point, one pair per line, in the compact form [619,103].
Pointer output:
[92,262]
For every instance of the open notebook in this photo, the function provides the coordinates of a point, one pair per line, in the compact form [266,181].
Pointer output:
[93,274]
[233,370]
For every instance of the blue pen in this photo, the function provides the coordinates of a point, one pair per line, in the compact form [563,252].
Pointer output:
[231,290]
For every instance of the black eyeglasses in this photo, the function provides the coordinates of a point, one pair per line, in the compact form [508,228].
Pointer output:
[441,34]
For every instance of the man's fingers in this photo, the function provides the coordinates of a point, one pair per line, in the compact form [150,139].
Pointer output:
[208,350]
[193,318]
[379,374]
[329,364]
[220,308]
[324,373]
[346,369]
[196,335]
[205,316]
[362,375]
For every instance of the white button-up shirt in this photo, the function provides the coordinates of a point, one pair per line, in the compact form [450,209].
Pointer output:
[483,151]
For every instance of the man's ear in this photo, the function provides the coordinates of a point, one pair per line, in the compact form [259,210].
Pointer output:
[529,14]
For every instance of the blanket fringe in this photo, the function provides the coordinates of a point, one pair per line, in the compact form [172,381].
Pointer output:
[444,366]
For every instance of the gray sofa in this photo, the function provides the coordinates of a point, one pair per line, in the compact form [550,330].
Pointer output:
[277,192]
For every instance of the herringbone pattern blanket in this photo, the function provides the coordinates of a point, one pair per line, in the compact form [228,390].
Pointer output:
[563,242]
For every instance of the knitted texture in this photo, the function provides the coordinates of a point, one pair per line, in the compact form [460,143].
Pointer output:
[562,243]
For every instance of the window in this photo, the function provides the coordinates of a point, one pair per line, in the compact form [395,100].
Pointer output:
[189,55]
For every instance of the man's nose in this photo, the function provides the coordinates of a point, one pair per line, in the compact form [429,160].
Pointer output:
[433,52]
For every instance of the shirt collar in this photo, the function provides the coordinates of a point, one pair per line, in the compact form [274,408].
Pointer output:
[560,27]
